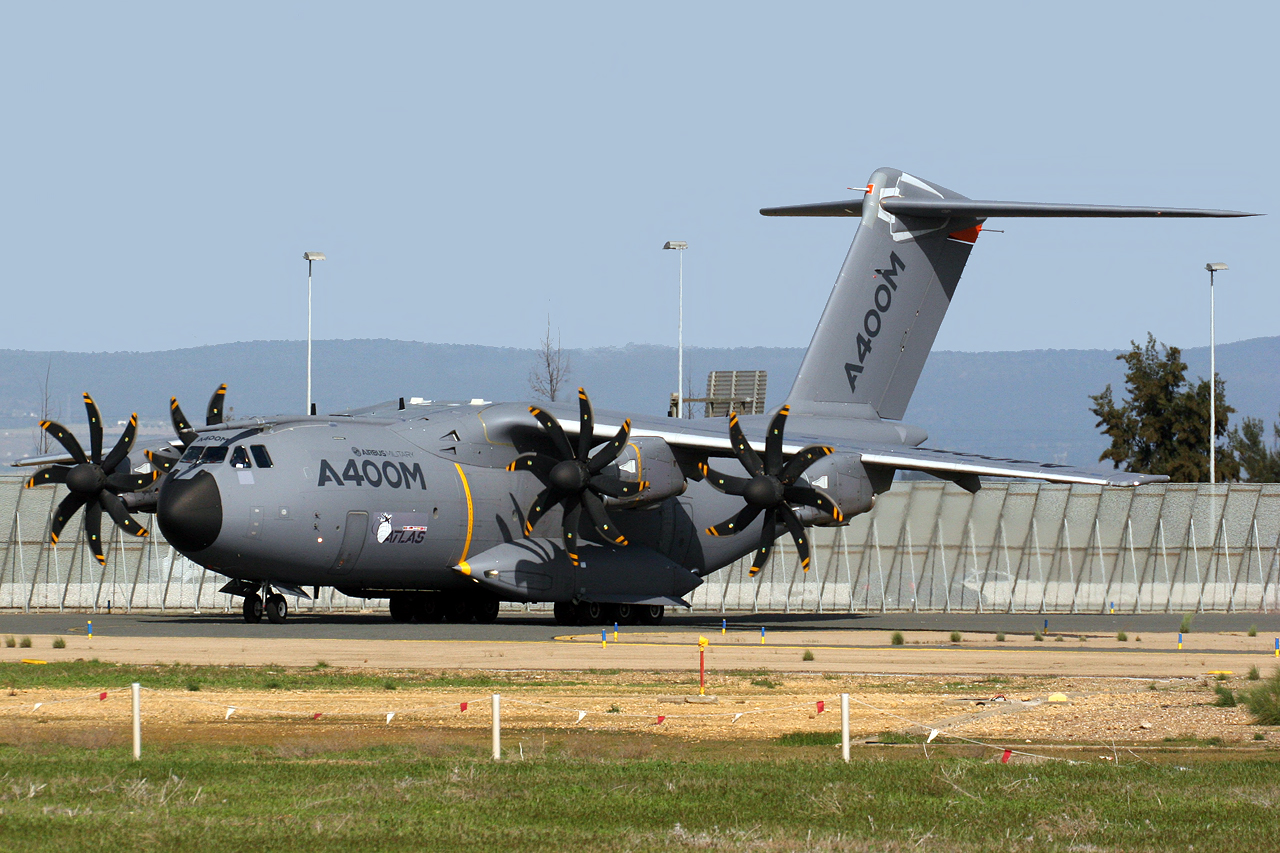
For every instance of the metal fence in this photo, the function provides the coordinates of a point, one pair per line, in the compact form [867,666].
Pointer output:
[927,546]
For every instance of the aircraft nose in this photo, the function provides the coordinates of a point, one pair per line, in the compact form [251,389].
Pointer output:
[190,512]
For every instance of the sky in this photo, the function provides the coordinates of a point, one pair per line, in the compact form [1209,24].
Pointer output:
[476,171]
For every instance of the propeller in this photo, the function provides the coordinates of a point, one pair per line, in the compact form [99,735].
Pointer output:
[94,481]
[164,460]
[572,477]
[770,489]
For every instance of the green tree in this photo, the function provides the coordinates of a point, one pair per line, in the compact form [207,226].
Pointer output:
[1162,425]
[1259,463]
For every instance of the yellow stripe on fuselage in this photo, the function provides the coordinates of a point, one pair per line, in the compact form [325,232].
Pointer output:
[466,488]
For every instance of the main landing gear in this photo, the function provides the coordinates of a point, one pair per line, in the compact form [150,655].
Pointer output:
[593,613]
[457,607]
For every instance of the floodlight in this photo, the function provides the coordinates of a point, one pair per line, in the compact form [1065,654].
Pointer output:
[1215,267]
[676,244]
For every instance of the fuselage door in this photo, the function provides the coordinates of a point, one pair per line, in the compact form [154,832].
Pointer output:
[353,536]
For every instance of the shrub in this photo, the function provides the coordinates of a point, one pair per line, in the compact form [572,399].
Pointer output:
[390,684]
[10,642]
[1039,638]
[59,643]
[955,637]
[1264,701]
[614,709]
[765,683]
[1122,636]
[25,643]
[808,655]
[897,638]
[1059,639]
[1226,699]
[1083,638]
[193,686]
[1000,636]
[271,685]
[1253,630]
[1187,619]
[1259,736]
[1253,673]
[1222,676]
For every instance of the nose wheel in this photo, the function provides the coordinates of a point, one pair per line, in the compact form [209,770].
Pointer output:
[275,608]
[253,608]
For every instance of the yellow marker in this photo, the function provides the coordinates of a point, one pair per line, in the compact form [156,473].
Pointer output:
[27,660]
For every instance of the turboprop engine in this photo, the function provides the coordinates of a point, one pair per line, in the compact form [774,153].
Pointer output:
[843,478]
[649,460]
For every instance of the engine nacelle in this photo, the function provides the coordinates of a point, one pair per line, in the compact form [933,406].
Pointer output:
[842,477]
[650,459]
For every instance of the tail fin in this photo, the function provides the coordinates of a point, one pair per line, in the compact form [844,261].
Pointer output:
[896,285]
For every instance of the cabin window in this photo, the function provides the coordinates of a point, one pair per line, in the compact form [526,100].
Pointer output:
[260,456]
[240,457]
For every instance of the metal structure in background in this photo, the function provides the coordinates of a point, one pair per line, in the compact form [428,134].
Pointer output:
[927,546]
[740,391]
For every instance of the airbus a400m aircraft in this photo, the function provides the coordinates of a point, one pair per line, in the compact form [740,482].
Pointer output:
[450,509]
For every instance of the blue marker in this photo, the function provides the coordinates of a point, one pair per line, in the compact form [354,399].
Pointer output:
[724,624]
[762,635]
[1046,626]
[90,627]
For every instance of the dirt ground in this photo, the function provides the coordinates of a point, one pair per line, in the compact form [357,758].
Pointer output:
[1136,693]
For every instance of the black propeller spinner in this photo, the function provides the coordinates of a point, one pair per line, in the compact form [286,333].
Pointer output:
[94,482]
[771,489]
[573,479]
[163,460]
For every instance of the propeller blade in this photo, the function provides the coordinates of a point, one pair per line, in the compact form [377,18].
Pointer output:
[743,450]
[535,463]
[95,428]
[723,482]
[64,437]
[180,425]
[93,527]
[122,482]
[116,509]
[552,426]
[610,451]
[213,412]
[572,516]
[806,496]
[792,521]
[162,462]
[615,488]
[586,425]
[45,476]
[800,463]
[767,534]
[545,500]
[730,526]
[121,450]
[600,518]
[773,441]
[66,509]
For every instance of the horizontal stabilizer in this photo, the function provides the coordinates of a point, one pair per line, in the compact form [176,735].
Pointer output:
[948,208]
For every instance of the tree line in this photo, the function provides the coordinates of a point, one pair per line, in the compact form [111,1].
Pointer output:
[1162,424]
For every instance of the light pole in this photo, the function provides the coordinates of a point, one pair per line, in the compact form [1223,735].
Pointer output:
[310,257]
[679,246]
[1213,381]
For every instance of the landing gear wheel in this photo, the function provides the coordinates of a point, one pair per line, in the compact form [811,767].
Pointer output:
[651,614]
[426,607]
[457,608]
[590,613]
[628,614]
[252,608]
[485,608]
[566,613]
[402,607]
[277,608]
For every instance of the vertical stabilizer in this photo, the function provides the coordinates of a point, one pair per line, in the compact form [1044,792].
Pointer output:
[888,301]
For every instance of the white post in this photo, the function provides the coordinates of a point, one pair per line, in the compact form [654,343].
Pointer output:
[844,726]
[680,344]
[137,722]
[1213,394]
[308,336]
[497,727]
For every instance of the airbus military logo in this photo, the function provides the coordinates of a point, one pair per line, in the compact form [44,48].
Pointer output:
[872,320]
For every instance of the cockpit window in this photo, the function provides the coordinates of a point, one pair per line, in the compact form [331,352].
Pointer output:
[240,458]
[260,455]
[207,455]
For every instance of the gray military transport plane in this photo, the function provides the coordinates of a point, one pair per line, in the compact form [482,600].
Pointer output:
[448,509]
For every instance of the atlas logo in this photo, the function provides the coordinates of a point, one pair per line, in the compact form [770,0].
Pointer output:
[369,473]
[871,321]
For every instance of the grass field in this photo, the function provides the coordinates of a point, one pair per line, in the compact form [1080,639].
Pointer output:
[451,798]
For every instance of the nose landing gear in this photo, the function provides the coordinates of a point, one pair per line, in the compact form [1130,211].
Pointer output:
[275,608]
